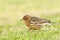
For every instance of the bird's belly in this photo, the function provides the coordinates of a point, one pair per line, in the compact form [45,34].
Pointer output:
[34,27]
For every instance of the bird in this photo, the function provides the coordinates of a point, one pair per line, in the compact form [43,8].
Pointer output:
[35,23]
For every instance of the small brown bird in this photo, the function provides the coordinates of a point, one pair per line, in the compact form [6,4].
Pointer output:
[35,23]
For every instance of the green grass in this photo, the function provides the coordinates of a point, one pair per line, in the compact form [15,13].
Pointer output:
[19,31]
[12,28]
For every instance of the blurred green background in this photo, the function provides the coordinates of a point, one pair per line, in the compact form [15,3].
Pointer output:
[12,11]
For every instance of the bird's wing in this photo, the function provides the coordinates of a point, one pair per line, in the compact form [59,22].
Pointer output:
[35,21]
[39,21]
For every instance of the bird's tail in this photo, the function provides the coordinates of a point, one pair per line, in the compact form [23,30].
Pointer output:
[54,23]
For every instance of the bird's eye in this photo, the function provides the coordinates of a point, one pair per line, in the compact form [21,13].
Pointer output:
[26,18]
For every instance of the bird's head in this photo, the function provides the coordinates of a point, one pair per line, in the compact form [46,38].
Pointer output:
[26,17]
